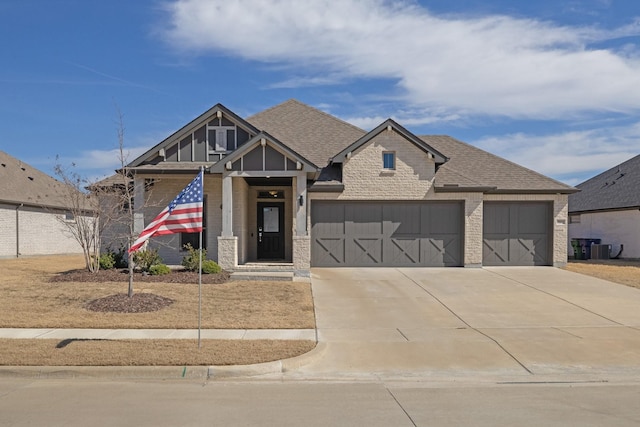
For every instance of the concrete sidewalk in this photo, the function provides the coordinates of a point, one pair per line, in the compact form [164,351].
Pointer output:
[136,334]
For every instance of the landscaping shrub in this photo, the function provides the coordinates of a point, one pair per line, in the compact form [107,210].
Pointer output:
[159,270]
[209,266]
[146,259]
[106,261]
[120,257]
[191,261]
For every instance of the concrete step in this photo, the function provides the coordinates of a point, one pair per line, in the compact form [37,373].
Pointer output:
[265,267]
[263,275]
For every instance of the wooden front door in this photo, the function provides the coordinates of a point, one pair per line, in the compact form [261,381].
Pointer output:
[270,230]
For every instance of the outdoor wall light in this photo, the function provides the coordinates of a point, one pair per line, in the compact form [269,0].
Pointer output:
[228,166]
[301,200]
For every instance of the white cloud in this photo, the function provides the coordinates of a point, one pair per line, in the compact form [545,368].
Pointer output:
[492,65]
[99,163]
[578,155]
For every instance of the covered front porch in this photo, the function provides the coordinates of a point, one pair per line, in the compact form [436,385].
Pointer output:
[264,208]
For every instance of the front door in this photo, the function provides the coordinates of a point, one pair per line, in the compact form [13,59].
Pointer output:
[270,230]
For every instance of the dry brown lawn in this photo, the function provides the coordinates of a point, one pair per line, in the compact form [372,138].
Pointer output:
[30,300]
[43,352]
[625,272]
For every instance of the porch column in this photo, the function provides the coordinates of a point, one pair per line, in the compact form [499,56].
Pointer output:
[138,204]
[301,204]
[227,206]
[227,242]
[301,238]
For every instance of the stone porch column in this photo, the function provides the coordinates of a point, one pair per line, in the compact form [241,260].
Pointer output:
[301,239]
[227,242]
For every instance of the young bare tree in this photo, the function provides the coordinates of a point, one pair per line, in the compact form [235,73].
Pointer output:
[85,218]
[127,195]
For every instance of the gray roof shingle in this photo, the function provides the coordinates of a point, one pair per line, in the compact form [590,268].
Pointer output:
[314,134]
[469,166]
[616,188]
[23,184]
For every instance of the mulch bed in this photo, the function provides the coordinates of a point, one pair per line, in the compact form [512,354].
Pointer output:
[122,275]
[140,302]
[137,303]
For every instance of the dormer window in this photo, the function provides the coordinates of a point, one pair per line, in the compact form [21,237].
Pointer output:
[389,160]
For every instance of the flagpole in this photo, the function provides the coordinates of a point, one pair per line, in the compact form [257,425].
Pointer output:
[200,272]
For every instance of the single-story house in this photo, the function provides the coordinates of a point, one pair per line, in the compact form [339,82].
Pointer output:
[33,209]
[297,185]
[608,208]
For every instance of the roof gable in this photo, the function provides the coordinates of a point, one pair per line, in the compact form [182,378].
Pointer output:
[389,125]
[256,154]
[189,143]
[314,134]
[616,188]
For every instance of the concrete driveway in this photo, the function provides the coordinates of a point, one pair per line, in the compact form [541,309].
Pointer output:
[513,323]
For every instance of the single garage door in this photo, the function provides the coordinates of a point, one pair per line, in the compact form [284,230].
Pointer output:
[386,234]
[517,233]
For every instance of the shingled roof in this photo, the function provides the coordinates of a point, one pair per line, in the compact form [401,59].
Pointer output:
[23,184]
[616,188]
[473,168]
[314,134]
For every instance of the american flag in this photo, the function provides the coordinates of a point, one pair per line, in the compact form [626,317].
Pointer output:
[183,215]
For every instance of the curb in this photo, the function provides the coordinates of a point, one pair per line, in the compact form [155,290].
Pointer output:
[105,372]
[162,372]
[276,367]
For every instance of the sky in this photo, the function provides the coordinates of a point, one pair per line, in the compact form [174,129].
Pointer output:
[553,85]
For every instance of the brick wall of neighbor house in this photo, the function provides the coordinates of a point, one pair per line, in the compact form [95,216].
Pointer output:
[365,179]
[560,219]
[41,232]
[7,231]
[614,228]
[160,195]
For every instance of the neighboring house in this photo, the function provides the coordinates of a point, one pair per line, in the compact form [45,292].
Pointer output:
[608,208]
[32,212]
[297,185]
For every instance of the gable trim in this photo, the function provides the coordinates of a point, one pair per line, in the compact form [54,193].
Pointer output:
[191,127]
[259,139]
[390,125]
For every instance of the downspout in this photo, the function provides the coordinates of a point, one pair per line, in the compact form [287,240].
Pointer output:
[18,229]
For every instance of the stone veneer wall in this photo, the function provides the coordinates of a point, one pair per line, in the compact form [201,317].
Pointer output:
[365,179]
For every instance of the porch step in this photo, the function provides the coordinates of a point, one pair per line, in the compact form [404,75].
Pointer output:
[265,267]
[263,275]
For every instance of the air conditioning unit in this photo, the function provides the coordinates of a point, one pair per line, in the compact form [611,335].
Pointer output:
[600,251]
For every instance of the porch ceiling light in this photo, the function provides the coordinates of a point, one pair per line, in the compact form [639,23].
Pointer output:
[273,193]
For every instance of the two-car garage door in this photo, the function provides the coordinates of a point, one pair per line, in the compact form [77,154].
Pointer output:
[386,234]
